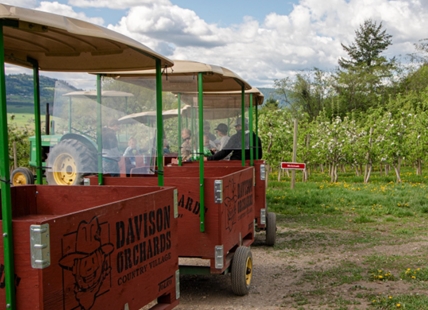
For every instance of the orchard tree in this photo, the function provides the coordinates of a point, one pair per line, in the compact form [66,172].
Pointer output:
[391,145]
[276,133]
[19,136]
[330,141]
[416,139]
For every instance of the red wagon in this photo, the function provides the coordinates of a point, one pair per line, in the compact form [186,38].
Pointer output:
[76,247]
[95,247]
[264,219]
[228,217]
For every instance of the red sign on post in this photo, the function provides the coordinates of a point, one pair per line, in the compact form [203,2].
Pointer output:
[293,166]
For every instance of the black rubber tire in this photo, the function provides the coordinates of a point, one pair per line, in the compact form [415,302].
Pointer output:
[68,162]
[22,176]
[270,229]
[242,271]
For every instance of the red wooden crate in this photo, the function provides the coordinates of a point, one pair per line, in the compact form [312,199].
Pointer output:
[109,247]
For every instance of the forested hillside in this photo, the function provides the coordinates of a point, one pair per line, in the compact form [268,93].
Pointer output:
[20,90]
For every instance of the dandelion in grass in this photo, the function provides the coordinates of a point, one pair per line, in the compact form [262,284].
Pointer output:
[381,275]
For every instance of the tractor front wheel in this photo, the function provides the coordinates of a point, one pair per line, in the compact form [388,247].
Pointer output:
[22,176]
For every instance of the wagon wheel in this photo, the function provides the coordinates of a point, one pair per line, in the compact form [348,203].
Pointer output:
[270,229]
[22,176]
[68,162]
[242,271]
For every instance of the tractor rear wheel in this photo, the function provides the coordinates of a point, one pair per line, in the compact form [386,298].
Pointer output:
[68,162]
[22,176]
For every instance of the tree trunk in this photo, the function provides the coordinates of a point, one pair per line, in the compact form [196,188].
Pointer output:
[397,173]
[367,173]
[333,173]
[305,175]
[419,167]
[279,173]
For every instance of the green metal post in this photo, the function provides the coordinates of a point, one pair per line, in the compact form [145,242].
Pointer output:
[193,128]
[257,131]
[250,136]
[180,158]
[159,122]
[99,132]
[38,131]
[201,152]
[6,204]
[243,125]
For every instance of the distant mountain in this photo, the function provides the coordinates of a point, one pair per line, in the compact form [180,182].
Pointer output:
[20,89]
[20,92]
[270,93]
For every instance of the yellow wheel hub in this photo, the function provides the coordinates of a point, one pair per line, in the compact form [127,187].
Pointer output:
[64,169]
[19,179]
[249,272]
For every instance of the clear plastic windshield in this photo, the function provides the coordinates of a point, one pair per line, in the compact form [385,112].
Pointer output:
[118,137]
[223,125]
[113,137]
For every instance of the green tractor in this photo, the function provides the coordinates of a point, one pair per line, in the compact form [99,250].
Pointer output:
[68,157]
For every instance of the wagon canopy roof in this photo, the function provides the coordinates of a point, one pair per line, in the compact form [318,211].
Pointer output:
[60,43]
[225,99]
[182,77]
[93,93]
[150,116]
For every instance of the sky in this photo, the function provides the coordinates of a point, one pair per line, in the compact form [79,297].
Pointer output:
[261,41]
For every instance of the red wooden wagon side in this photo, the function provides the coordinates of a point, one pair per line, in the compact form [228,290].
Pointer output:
[228,218]
[264,220]
[97,247]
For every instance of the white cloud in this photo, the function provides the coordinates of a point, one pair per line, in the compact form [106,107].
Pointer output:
[261,51]
[122,4]
[22,3]
[66,10]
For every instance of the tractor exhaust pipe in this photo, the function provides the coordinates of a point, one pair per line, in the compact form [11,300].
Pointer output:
[47,119]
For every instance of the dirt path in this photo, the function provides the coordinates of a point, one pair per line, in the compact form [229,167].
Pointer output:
[286,278]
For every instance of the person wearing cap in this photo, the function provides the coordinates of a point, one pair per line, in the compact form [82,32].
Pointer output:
[223,138]
[207,131]
[110,151]
[233,146]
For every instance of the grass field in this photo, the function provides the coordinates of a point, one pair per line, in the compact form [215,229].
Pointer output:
[21,119]
[381,226]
